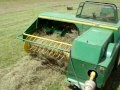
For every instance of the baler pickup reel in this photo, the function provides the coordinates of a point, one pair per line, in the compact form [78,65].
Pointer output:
[49,42]
[50,48]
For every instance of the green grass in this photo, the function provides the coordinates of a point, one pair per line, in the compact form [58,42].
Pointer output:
[15,18]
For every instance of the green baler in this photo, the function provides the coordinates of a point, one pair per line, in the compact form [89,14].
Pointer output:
[88,42]
[92,51]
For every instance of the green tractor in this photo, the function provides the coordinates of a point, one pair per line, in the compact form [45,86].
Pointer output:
[88,42]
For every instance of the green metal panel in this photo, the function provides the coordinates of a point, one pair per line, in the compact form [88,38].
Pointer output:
[33,27]
[95,36]
[84,24]
[87,54]
[81,69]
[82,28]
[89,45]
[71,17]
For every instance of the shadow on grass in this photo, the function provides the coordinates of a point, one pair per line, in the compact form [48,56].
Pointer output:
[113,81]
[115,78]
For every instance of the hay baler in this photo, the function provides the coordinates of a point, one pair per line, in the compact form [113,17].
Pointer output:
[87,41]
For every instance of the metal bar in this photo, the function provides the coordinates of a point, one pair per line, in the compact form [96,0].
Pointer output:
[81,22]
[52,47]
[47,39]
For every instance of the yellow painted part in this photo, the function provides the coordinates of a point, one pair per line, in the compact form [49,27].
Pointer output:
[58,55]
[119,61]
[67,55]
[79,22]
[92,75]
[27,46]
[47,39]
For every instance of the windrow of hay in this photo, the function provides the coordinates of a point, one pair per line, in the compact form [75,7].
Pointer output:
[67,38]
[31,74]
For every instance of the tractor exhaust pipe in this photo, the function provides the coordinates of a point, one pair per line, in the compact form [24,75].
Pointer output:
[90,84]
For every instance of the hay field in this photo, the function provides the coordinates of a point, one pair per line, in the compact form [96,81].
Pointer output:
[19,71]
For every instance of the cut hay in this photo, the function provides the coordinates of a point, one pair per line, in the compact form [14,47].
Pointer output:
[31,74]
